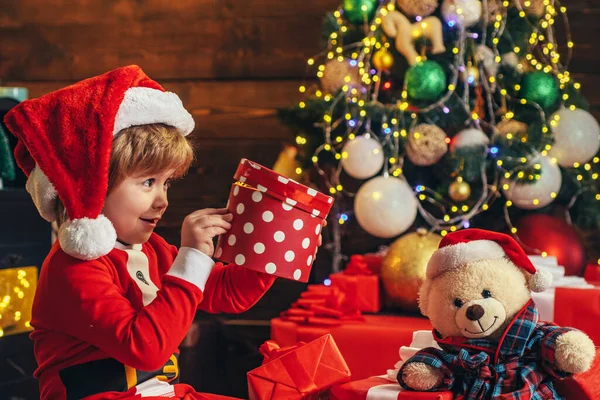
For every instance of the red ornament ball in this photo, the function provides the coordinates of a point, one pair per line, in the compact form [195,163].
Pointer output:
[556,237]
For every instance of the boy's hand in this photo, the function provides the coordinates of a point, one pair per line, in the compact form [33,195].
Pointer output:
[320,235]
[200,227]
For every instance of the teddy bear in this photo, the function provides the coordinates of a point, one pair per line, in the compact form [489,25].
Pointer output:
[477,295]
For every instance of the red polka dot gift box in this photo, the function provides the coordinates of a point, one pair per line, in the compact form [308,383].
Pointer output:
[276,223]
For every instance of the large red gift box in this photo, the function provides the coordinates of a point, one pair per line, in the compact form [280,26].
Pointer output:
[276,224]
[301,371]
[360,283]
[380,388]
[369,348]
[578,308]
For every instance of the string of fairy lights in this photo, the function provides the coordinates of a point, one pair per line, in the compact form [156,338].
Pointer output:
[542,55]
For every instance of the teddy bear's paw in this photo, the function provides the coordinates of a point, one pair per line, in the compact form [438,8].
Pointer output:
[574,352]
[420,376]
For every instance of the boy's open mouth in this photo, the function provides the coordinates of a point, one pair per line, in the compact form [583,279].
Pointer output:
[153,221]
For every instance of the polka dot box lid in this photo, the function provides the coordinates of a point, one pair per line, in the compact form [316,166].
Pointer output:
[285,189]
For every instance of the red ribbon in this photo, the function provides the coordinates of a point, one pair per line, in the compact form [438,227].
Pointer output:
[322,305]
[294,367]
[363,265]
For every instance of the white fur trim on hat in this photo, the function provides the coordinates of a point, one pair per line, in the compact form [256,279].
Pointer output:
[142,106]
[86,238]
[43,193]
[540,281]
[457,255]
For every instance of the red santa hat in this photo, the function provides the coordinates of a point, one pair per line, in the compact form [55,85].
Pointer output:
[65,142]
[469,245]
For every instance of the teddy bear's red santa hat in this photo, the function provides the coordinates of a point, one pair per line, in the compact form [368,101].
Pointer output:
[65,142]
[470,245]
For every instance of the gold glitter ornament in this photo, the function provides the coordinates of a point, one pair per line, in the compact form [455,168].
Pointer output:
[426,145]
[459,190]
[382,60]
[415,8]
[403,268]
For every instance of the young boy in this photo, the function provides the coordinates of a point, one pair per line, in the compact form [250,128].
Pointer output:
[114,300]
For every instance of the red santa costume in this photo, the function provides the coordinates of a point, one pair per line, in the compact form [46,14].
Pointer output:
[108,318]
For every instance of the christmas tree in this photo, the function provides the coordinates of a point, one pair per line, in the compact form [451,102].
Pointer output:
[458,113]
[7,165]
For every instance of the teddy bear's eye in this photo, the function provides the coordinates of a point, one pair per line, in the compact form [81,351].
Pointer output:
[486,294]
[458,303]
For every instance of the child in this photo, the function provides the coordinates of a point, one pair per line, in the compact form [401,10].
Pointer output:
[114,300]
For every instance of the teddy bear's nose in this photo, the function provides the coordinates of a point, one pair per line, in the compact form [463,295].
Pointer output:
[475,312]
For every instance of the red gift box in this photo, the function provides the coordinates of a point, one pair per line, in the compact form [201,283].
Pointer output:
[584,386]
[377,388]
[302,371]
[276,224]
[578,308]
[360,284]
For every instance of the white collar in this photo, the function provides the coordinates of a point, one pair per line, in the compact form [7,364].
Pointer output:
[121,246]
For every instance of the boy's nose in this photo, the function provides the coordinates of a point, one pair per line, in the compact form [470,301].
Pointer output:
[161,202]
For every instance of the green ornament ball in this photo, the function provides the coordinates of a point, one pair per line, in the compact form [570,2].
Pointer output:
[541,88]
[359,11]
[425,80]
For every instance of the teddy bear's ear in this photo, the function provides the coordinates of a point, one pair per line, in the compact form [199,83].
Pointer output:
[424,296]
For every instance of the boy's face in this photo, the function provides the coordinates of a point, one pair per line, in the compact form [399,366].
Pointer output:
[136,205]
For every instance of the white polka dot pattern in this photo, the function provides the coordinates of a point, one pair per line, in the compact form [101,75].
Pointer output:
[297,274]
[270,268]
[267,216]
[259,248]
[231,240]
[271,234]
[256,197]
[279,236]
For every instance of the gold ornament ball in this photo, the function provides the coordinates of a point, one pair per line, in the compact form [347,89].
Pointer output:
[383,60]
[459,190]
[403,268]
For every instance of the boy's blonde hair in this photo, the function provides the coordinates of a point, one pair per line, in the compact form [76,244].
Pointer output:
[143,150]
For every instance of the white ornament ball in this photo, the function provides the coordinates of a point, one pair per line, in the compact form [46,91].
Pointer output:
[335,73]
[538,194]
[576,136]
[385,207]
[362,157]
[469,138]
[464,13]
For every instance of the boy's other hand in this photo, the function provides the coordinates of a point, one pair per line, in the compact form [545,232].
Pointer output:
[320,235]
[200,227]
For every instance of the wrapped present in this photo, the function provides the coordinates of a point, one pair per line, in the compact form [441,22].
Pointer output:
[277,223]
[578,308]
[592,274]
[322,305]
[546,301]
[360,283]
[301,371]
[420,340]
[381,388]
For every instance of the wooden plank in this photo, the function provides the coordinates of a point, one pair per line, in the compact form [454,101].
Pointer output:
[175,39]
[222,109]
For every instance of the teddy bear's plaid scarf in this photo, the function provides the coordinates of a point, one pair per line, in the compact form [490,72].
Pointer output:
[521,366]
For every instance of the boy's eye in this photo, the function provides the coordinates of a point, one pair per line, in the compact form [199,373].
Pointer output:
[149,182]
[168,183]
